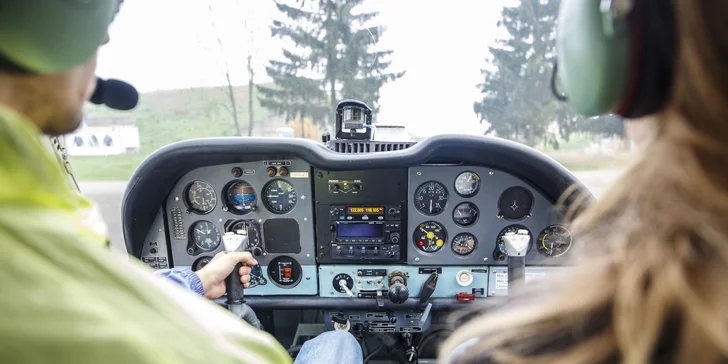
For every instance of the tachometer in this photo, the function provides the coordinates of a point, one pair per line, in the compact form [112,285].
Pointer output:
[465,214]
[464,244]
[554,241]
[200,197]
[431,197]
[205,236]
[279,196]
[467,184]
[241,197]
[429,236]
[500,252]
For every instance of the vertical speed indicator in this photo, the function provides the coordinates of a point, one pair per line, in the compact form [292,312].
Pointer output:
[431,198]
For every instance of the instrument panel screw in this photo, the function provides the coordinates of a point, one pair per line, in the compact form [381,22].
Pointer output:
[160,230]
[419,173]
[224,208]
[303,197]
[331,273]
[305,219]
[485,259]
[491,173]
[220,220]
[260,221]
[176,198]
[492,293]
[417,259]
[308,255]
[308,278]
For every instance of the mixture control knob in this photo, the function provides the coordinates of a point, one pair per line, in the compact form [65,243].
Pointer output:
[257,251]
[398,293]
[394,238]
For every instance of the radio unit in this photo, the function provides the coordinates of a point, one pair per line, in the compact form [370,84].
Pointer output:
[365,232]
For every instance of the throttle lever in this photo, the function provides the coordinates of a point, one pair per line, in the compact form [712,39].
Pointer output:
[428,288]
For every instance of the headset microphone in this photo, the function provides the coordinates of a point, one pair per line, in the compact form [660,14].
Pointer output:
[115,94]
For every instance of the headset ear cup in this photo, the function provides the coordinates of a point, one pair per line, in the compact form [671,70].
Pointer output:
[52,36]
[652,24]
[593,65]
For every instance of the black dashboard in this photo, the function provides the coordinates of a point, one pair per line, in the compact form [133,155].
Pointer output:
[355,232]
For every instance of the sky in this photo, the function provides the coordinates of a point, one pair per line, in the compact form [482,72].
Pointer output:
[442,46]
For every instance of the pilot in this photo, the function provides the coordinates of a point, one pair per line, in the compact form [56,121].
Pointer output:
[65,298]
[649,282]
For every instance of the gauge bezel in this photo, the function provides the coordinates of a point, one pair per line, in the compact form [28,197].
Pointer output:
[455,184]
[444,238]
[188,203]
[265,198]
[231,206]
[198,262]
[193,237]
[466,203]
[452,244]
[527,215]
[444,207]
[571,241]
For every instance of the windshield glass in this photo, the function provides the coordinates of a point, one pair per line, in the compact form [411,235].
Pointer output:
[278,69]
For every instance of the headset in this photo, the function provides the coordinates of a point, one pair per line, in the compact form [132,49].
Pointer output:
[616,56]
[53,36]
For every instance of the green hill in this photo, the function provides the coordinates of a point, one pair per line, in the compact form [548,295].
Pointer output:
[164,117]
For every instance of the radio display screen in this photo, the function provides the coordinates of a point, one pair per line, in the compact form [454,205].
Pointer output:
[364,210]
[359,230]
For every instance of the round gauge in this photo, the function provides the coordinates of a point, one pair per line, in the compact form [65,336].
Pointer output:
[279,196]
[200,263]
[205,235]
[467,184]
[285,272]
[430,236]
[201,197]
[241,197]
[464,244]
[500,252]
[554,241]
[465,214]
[249,229]
[515,203]
[431,197]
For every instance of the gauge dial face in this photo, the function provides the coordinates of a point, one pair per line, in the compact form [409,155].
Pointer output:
[206,236]
[431,198]
[465,214]
[467,184]
[500,252]
[200,263]
[201,197]
[430,236]
[515,203]
[554,241]
[464,244]
[241,197]
[279,196]
[249,229]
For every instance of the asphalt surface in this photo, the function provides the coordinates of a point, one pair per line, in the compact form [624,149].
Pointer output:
[108,196]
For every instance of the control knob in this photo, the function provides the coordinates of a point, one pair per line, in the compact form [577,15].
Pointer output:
[257,251]
[394,238]
[398,291]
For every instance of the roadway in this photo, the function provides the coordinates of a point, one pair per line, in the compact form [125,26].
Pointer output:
[108,196]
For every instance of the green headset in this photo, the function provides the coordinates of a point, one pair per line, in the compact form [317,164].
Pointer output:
[53,36]
[616,56]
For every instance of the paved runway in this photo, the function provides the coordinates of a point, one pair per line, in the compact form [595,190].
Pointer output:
[108,195]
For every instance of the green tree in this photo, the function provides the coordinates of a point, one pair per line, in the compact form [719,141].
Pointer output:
[331,58]
[517,101]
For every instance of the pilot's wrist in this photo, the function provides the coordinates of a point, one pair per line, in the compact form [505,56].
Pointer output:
[196,283]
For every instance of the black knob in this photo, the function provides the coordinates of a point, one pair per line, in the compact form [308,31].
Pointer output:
[394,238]
[398,293]
[392,319]
[338,318]
[257,251]
[410,355]
[335,187]
[392,211]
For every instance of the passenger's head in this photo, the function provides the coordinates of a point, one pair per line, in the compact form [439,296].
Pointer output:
[651,256]
[48,57]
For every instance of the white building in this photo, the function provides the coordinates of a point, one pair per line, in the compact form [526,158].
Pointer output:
[104,136]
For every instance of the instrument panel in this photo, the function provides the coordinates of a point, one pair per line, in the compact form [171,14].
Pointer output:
[314,218]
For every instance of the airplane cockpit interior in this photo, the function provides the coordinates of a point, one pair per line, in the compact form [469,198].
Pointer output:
[381,239]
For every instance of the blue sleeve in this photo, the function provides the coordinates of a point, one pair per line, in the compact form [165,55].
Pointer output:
[185,277]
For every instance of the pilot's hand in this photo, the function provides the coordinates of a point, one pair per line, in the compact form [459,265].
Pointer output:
[214,273]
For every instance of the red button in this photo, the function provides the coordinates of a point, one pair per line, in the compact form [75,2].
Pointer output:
[286,272]
[465,297]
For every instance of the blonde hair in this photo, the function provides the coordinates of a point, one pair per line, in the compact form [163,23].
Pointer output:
[650,281]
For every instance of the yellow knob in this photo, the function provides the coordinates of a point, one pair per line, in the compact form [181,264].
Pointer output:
[439,242]
[430,235]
